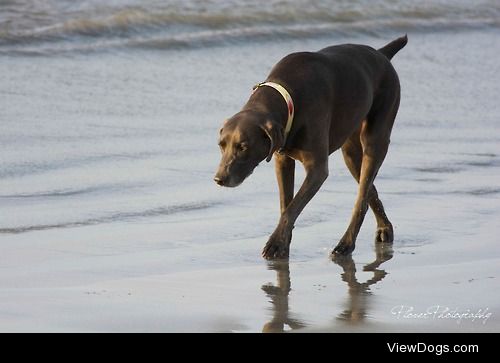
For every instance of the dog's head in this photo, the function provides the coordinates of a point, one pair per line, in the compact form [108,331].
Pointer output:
[245,140]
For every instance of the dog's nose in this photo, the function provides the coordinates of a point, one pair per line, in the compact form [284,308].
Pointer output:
[219,180]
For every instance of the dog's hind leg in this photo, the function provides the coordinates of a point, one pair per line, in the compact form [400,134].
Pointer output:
[374,136]
[353,155]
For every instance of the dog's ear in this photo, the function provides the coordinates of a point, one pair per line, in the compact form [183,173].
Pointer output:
[276,134]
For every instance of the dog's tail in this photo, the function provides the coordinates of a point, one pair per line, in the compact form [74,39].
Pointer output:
[393,47]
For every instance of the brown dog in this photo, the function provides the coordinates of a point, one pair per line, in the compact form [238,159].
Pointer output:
[344,96]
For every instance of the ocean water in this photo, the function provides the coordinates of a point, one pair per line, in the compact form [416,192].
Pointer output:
[109,118]
[49,27]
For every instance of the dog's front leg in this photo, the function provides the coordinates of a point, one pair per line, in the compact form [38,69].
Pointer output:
[278,245]
[285,175]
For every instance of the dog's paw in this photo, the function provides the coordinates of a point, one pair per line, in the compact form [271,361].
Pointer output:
[273,251]
[384,234]
[278,246]
[343,248]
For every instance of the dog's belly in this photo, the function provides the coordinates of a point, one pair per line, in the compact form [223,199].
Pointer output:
[339,135]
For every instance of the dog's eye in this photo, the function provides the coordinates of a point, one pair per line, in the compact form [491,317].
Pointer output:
[241,147]
[222,145]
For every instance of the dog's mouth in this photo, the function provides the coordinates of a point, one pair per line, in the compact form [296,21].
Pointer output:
[232,184]
[231,181]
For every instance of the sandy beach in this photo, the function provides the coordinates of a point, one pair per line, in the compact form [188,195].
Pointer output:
[110,220]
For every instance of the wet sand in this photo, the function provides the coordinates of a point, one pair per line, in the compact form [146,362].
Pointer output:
[122,279]
[391,289]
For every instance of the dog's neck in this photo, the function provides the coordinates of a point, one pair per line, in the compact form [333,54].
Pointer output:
[286,97]
[270,103]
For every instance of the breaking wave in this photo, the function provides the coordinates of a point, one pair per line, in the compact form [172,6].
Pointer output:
[61,26]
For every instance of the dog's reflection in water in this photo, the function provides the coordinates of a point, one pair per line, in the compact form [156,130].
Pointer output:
[279,298]
[358,293]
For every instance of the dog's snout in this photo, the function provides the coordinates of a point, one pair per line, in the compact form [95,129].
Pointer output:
[219,180]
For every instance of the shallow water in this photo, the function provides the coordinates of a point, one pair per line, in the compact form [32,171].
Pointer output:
[110,219]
